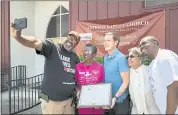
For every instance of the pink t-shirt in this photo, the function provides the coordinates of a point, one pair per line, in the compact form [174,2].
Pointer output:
[89,74]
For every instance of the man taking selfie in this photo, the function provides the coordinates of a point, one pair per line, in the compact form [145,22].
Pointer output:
[58,83]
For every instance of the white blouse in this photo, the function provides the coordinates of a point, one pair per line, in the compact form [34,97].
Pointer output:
[140,92]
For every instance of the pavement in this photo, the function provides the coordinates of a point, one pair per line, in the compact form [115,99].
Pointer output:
[34,110]
[18,102]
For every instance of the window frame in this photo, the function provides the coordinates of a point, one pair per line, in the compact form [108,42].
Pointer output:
[60,14]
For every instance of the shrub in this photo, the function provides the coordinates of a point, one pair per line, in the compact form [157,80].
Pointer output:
[97,59]
[147,61]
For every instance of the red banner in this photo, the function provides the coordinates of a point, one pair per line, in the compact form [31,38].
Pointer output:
[131,30]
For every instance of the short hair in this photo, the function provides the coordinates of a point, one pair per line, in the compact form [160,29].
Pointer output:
[93,47]
[136,52]
[149,39]
[115,36]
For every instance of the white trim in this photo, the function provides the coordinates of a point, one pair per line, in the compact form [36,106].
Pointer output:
[145,4]
[56,37]
[59,14]
[60,21]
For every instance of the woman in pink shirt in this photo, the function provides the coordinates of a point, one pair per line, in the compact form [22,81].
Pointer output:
[89,72]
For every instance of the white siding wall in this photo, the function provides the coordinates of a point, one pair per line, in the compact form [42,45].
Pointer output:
[38,14]
[21,55]
[43,13]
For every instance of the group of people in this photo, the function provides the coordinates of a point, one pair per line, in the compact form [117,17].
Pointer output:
[153,89]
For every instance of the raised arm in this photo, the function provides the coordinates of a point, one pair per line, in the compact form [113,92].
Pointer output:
[28,41]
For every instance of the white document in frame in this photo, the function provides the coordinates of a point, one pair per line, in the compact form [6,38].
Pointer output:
[98,95]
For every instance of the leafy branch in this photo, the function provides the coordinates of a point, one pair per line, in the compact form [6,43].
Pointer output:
[97,59]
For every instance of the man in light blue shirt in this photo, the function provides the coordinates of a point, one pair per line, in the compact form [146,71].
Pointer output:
[116,72]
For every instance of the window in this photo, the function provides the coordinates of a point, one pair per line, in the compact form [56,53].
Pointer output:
[161,2]
[59,23]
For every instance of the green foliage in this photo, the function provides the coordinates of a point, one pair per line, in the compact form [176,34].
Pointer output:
[81,57]
[147,61]
[97,59]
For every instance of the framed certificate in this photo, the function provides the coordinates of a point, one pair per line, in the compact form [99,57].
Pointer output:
[97,95]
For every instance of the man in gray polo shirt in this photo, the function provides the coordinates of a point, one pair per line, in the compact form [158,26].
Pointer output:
[58,83]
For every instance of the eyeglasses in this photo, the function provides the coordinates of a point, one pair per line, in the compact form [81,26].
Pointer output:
[131,56]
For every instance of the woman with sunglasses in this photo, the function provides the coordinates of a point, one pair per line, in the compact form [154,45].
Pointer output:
[89,72]
[139,88]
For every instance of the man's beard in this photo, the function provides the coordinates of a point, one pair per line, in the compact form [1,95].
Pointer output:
[69,48]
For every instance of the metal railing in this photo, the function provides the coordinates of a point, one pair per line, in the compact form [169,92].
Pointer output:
[17,72]
[24,93]
[4,80]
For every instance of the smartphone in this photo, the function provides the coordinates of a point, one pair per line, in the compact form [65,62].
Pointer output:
[20,23]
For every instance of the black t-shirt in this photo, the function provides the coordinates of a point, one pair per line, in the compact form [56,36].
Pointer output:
[59,70]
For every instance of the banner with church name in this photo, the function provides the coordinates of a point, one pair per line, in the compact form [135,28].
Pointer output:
[131,30]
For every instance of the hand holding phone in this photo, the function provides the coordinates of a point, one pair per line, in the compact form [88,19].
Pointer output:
[20,23]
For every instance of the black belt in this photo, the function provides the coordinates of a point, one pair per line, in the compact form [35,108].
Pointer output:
[46,97]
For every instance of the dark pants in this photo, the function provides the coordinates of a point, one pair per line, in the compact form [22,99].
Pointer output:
[120,108]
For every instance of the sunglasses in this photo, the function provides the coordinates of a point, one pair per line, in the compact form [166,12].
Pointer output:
[131,56]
